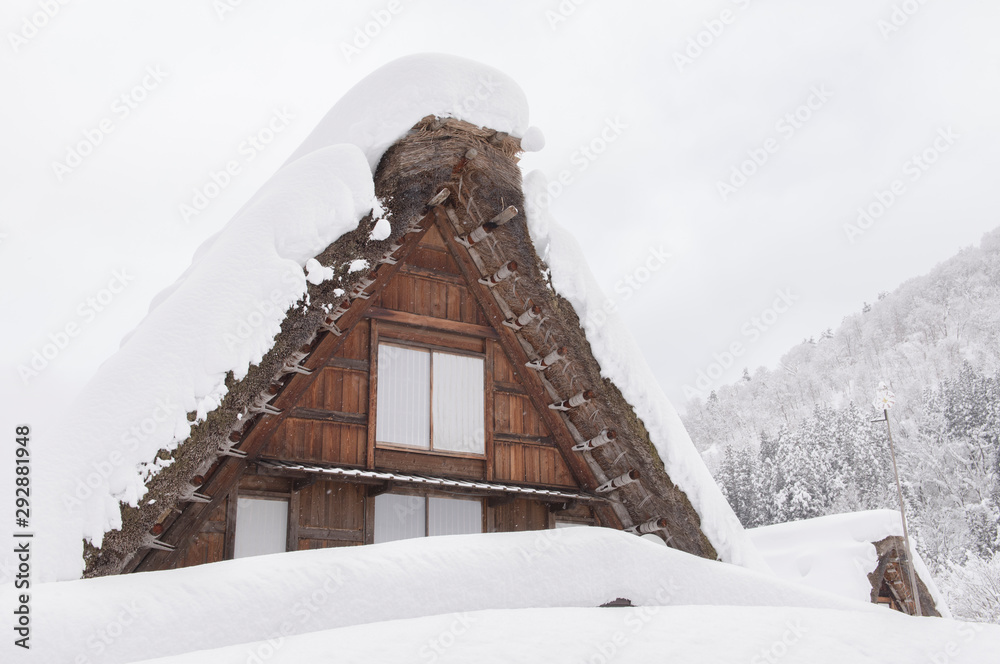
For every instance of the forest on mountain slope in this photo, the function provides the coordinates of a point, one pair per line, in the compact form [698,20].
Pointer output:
[802,440]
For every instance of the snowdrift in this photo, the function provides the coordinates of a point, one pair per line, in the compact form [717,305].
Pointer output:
[129,618]
[835,553]
[675,634]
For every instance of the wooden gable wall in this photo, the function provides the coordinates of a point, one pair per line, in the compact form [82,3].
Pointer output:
[330,422]
[426,302]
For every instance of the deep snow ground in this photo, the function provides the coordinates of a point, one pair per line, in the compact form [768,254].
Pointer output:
[397,596]
[675,634]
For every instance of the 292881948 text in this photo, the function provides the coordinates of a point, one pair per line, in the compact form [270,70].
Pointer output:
[22,535]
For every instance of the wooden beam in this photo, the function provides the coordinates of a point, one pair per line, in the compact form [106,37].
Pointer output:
[437,275]
[432,323]
[347,363]
[372,394]
[292,535]
[229,550]
[511,388]
[217,527]
[360,419]
[497,501]
[488,411]
[524,439]
[561,506]
[231,468]
[378,489]
[303,482]
[369,521]
[581,472]
[332,534]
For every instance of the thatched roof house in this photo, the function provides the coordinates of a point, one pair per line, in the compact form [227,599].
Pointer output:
[349,369]
[859,555]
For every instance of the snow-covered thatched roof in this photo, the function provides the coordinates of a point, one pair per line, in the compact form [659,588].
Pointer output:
[159,411]
[842,554]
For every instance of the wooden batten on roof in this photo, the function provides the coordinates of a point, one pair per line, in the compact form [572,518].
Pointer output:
[460,187]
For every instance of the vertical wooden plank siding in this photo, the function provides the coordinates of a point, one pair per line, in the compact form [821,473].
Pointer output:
[369,519]
[209,545]
[331,514]
[519,515]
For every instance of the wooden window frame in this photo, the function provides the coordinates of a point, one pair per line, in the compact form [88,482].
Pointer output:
[386,337]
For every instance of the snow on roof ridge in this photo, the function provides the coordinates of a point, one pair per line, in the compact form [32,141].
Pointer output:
[421,85]
[621,361]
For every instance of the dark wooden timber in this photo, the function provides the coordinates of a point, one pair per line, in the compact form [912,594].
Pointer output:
[523,439]
[511,388]
[429,273]
[229,547]
[330,416]
[335,534]
[432,323]
[372,394]
[347,363]
[488,425]
[292,535]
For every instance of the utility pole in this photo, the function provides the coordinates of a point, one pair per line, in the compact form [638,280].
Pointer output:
[884,400]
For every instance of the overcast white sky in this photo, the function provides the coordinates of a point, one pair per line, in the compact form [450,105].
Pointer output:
[877,100]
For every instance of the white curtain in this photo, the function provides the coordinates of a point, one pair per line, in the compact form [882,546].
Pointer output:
[458,403]
[403,399]
[399,517]
[448,516]
[261,526]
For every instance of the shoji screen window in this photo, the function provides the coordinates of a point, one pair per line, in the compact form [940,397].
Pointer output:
[261,526]
[430,399]
[404,517]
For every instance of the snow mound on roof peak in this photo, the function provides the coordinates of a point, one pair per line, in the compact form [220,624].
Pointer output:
[381,108]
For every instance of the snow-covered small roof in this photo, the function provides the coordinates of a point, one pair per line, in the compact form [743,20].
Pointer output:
[835,553]
[407,479]
[244,306]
